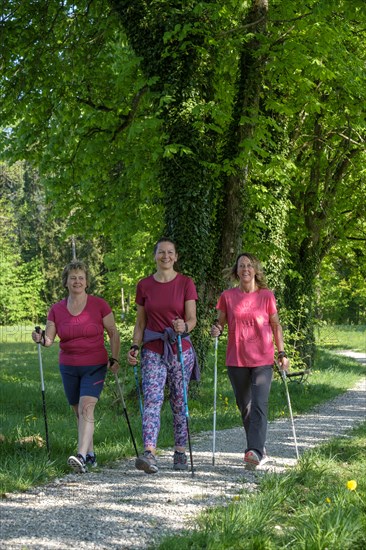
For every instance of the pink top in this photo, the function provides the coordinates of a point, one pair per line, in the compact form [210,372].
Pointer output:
[164,302]
[81,336]
[250,337]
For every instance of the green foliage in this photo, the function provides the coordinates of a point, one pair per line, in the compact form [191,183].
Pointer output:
[35,246]
[20,283]
[341,295]
[312,506]
[221,123]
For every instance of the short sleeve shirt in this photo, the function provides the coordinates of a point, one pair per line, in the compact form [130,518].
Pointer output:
[81,336]
[250,337]
[164,302]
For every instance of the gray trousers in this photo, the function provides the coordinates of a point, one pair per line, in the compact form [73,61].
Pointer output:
[251,387]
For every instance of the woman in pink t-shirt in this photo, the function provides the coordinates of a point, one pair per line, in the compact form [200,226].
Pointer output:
[250,312]
[80,321]
[166,306]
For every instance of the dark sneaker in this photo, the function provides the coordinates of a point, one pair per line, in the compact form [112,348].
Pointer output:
[91,460]
[251,460]
[77,463]
[180,461]
[147,463]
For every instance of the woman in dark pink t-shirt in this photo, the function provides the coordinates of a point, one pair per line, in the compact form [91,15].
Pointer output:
[80,321]
[166,306]
[250,312]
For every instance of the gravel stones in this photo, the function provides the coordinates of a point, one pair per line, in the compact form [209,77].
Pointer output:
[120,507]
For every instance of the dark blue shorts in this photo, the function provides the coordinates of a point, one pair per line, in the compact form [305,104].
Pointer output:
[81,381]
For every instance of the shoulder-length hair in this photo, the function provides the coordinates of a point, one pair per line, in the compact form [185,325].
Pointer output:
[260,278]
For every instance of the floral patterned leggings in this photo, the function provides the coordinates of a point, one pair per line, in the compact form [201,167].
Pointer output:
[155,373]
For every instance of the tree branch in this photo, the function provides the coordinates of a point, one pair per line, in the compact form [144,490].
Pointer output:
[91,103]
[126,120]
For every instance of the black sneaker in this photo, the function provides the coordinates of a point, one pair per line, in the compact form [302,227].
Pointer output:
[77,463]
[147,463]
[91,460]
[180,461]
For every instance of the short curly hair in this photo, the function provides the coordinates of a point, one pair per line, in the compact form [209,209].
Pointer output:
[75,265]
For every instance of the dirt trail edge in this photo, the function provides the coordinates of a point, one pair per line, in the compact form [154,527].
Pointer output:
[122,508]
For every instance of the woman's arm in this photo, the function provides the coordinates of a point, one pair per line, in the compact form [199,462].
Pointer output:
[114,339]
[138,334]
[50,333]
[183,326]
[190,315]
[138,331]
[48,337]
[218,326]
[278,338]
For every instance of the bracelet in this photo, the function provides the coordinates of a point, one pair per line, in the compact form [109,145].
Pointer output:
[112,360]
[186,328]
[281,354]
[135,347]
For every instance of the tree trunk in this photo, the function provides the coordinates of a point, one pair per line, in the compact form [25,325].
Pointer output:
[246,105]
[187,187]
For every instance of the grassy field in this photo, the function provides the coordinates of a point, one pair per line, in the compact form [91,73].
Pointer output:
[23,457]
[319,505]
[342,337]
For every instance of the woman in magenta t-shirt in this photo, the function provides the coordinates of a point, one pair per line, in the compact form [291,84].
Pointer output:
[166,305]
[250,312]
[80,321]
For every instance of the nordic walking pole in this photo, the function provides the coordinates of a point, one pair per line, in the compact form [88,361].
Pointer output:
[125,411]
[284,380]
[186,411]
[38,330]
[138,390]
[214,412]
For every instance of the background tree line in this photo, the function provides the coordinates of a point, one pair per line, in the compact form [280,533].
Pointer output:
[227,125]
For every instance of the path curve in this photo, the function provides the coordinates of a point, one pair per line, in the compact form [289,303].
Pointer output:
[122,508]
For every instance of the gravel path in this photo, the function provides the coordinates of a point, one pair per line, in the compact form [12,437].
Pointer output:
[122,508]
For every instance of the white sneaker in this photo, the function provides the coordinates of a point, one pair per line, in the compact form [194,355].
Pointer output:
[77,463]
[265,458]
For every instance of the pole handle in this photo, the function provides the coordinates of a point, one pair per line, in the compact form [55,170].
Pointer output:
[38,330]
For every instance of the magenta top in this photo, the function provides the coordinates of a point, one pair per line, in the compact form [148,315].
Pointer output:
[164,302]
[81,336]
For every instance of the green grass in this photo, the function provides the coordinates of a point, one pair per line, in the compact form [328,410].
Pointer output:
[346,337]
[21,416]
[308,508]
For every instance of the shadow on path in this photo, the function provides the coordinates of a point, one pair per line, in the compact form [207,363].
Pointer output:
[120,508]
